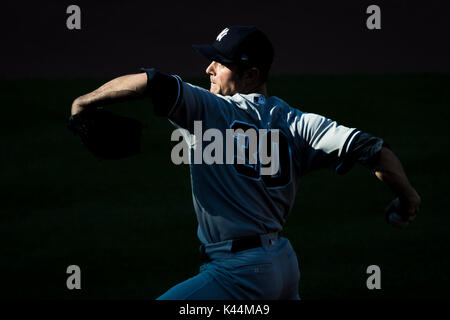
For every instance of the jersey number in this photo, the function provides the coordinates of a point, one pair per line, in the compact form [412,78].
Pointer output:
[279,152]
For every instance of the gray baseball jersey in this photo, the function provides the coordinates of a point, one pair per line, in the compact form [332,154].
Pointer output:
[233,201]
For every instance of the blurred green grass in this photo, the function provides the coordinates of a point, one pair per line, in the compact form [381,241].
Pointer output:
[130,224]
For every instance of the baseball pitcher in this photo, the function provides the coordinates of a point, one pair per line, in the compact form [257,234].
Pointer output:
[240,210]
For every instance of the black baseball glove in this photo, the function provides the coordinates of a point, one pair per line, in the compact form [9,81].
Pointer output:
[105,134]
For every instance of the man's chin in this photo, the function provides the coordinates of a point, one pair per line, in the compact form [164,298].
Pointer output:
[214,89]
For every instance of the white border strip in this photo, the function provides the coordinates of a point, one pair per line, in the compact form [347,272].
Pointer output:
[351,139]
[178,95]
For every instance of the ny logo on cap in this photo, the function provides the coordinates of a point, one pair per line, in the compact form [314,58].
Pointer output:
[222,34]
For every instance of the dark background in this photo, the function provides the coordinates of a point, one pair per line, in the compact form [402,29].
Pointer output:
[130,224]
[318,37]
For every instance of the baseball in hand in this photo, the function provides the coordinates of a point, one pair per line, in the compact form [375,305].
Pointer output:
[396,220]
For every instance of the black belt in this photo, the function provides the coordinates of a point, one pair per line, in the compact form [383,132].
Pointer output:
[246,243]
[237,245]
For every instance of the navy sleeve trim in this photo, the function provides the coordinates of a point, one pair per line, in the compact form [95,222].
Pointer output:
[350,140]
[365,150]
[346,162]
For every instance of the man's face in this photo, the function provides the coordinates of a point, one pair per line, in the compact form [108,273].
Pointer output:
[224,80]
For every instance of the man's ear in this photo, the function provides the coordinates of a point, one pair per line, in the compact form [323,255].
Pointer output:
[253,74]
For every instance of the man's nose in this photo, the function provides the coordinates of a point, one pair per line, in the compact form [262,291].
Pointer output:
[211,68]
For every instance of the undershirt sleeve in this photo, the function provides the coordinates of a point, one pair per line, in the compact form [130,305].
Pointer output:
[164,90]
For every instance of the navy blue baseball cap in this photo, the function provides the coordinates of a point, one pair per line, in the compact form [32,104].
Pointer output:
[242,45]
